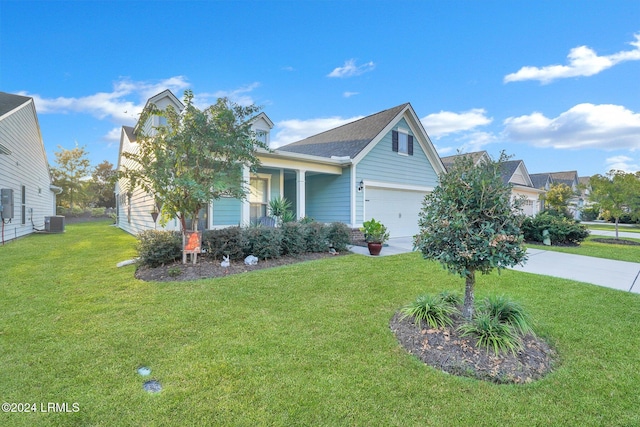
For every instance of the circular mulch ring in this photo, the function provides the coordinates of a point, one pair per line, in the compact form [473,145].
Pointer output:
[614,241]
[445,349]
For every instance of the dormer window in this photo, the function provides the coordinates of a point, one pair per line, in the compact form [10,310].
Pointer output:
[262,136]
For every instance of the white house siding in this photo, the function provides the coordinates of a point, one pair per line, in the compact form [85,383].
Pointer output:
[26,166]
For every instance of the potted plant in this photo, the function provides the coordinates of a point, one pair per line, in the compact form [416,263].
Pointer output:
[375,234]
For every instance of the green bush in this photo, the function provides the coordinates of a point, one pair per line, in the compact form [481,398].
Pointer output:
[158,247]
[491,333]
[222,242]
[339,236]
[315,235]
[434,310]
[263,242]
[293,239]
[499,324]
[591,213]
[562,231]
[98,211]
[507,311]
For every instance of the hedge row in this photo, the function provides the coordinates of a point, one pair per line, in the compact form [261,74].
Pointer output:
[293,238]
[562,230]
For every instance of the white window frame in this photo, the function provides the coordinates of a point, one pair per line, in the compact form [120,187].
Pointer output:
[403,134]
[262,176]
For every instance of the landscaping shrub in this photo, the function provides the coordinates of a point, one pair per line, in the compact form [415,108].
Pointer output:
[339,236]
[499,324]
[491,333]
[263,242]
[158,247]
[315,235]
[507,311]
[222,242]
[98,211]
[293,239]
[562,231]
[435,310]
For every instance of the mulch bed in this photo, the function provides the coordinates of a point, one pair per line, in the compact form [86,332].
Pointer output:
[613,241]
[445,349]
[206,268]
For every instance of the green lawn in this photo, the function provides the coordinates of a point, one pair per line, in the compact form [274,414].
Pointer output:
[611,227]
[598,250]
[305,344]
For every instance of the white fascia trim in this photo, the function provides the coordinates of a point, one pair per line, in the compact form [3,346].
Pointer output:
[396,186]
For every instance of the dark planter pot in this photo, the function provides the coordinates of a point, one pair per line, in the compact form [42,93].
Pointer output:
[374,248]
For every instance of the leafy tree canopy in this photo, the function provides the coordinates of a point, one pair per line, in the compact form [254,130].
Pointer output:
[617,193]
[196,157]
[469,223]
[73,168]
[558,196]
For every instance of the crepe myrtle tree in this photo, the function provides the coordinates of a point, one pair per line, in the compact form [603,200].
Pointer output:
[470,223]
[196,157]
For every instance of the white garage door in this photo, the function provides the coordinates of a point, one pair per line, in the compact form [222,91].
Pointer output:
[397,209]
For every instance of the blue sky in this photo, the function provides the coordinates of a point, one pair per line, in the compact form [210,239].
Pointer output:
[554,83]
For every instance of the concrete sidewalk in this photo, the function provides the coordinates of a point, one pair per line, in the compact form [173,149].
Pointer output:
[621,275]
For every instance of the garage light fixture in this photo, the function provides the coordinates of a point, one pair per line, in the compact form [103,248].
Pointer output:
[360,186]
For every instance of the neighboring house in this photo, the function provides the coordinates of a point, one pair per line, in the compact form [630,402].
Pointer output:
[380,166]
[27,195]
[570,178]
[514,172]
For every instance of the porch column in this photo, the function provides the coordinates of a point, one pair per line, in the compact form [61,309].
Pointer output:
[301,194]
[245,207]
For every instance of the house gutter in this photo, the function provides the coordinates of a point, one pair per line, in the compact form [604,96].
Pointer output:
[333,161]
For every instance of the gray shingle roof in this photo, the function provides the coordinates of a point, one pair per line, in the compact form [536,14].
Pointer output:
[128,130]
[448,161]
[10,102]
[508,169]
[346,140]
[539,180]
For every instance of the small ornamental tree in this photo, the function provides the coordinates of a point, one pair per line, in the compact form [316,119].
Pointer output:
[557,198]
[469,223]
[198,156]
[617,193]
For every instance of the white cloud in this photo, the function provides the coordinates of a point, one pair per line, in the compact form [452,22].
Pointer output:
[350,94]
[602,126]
[622,163]
[293,130]
[444,123]
[240,96]
[116,105]
[350,69]
[583,61]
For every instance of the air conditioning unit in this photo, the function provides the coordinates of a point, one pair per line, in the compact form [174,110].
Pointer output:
[54,224]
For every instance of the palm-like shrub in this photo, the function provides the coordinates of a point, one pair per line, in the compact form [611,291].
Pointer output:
[434,310]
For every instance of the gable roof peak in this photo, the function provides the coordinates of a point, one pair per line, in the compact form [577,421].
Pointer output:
[348,139]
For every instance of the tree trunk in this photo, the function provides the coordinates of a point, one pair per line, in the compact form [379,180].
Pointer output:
[469,297]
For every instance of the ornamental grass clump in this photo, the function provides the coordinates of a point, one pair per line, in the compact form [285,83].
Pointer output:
[499,325]
[491,333]
[434,310]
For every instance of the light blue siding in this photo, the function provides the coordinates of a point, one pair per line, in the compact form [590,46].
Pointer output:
[226,211]
[328,197]
[382,164]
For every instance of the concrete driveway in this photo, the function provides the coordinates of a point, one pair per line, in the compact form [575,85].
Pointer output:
[621,275]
